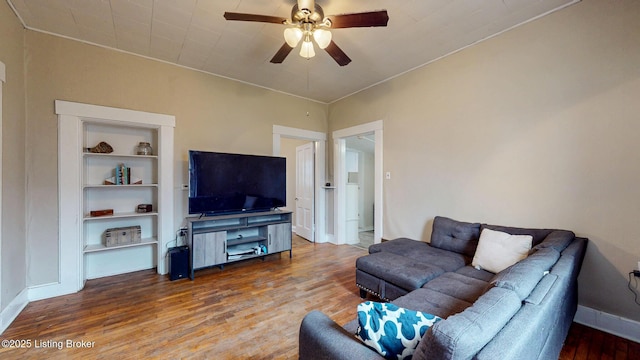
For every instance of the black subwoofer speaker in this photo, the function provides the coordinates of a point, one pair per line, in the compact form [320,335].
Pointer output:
[179,263]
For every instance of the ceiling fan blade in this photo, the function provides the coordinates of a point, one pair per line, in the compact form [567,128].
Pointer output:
[279,57]
[253,17]
[337,54]
[364,19]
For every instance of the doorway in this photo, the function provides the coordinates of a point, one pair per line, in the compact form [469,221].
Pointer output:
[316,223]
[360,200]
[344,227]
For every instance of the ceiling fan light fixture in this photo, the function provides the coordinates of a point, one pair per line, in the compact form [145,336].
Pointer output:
[306,50]
[307,19]
[322,38]
[292,36]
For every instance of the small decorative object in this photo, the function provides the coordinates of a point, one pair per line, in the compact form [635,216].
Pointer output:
[103,212]
[144,148]
[122,236]
[144,208]
[101,148]
[122,177]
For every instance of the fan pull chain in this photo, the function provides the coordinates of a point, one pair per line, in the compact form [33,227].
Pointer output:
[308,88]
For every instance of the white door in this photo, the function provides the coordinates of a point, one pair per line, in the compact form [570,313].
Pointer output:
[304,191]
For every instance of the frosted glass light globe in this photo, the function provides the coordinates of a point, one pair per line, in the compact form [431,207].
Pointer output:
[306,50]
[322,38]
[292,36]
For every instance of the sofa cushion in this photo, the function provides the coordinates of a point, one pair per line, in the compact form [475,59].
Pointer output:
[462,335]
[422,252]
[432,302]
[399,270]
[399,246]
[498,250]
[453,235]
[538,234]
[458,286]
[557,239]
[392,331]
[526,274]
[479,274]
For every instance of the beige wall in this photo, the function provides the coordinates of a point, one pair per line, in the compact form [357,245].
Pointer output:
[212,113]
[13,241]
[537,127]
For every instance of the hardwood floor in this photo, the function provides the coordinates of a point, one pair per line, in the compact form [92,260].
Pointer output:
[586,343]
[249,310]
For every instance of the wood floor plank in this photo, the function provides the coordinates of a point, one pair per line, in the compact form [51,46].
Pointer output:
[248,310]
[570,347]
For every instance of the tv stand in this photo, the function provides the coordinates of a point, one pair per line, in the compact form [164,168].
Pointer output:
[222,239]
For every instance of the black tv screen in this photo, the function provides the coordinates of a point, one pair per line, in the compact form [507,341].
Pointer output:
[230,183]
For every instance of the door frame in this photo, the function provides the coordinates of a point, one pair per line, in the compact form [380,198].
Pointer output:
[339,153]
[2,80]
[320,142]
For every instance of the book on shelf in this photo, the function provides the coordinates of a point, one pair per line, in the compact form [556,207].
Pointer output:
[122,176]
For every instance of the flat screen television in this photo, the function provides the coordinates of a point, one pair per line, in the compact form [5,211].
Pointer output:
[222,183]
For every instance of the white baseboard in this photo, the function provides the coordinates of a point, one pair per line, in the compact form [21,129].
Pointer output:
[612,324]
[13,309]
[46,291]
[330,239]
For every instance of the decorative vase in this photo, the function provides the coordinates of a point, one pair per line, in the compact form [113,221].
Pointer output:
[144,148]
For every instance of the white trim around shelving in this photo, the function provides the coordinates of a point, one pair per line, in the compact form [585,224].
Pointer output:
[109,114]
[71,117]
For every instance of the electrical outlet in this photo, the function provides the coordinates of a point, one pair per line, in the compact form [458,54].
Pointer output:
[182,232]
[636,273]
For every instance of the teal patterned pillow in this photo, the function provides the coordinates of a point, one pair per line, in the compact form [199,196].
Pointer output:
[392,331]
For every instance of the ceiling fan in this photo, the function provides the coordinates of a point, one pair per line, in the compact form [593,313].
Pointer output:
[308,22]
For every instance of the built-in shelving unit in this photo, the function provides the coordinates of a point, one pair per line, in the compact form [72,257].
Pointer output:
[218,240]
[82,175]
[101,260]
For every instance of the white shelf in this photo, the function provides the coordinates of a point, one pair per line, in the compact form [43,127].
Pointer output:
[88,217]
[118,187]
[119,156]
[101,247]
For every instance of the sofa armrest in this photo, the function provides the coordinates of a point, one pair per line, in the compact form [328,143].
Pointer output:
[321,338]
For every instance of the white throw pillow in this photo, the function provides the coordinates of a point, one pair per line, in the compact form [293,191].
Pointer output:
[498,250]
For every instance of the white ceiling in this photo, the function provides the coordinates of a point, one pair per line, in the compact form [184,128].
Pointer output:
[193,33]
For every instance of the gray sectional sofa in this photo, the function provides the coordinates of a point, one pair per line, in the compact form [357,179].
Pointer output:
[521,312]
